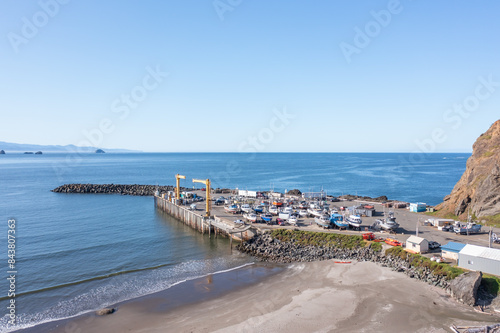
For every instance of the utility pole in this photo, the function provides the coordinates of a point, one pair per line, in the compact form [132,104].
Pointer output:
[490,234]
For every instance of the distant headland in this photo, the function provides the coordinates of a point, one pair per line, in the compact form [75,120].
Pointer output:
[9,147]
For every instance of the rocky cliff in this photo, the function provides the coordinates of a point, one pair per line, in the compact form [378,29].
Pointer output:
[479,187]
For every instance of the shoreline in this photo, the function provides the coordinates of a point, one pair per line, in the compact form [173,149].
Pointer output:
[312,296]
[180,295]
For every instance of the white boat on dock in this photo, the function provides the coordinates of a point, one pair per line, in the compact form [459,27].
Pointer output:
[246,208]
[273,210]
[388,223]
[233,209]
[323,221]
[303,213]
[354,221]
[316,212]
[250,217]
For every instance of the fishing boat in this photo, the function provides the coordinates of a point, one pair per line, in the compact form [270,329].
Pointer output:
[354,221]
[467,228]
[338,221]
[388,223]
[277,203]
[233,209]
[323,221]
[258,209]
[273,210]
[316,212]
[303,213]
[288,210]
[303,205]
[334,211]
[250,217]
[266,217]
[246,208]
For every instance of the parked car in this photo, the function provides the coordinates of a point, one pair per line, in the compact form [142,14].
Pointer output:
[434,245]
[281,221]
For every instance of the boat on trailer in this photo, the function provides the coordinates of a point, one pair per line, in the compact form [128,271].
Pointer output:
[316,212]
[233,209]
[266,217]
[246,208]
[388,223]
[354,221]
[323,221]
[250,217]
[338,221]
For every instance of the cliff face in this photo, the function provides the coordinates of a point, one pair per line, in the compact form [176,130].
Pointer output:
[479,187]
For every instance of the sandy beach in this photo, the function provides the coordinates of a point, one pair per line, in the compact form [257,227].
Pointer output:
[307,297]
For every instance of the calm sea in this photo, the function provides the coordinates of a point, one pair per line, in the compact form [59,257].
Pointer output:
[77,253]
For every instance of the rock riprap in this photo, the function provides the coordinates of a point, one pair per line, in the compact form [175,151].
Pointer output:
[136,189]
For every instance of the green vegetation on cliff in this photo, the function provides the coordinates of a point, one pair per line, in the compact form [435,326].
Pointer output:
[491,284]
[418,261]
[319,238]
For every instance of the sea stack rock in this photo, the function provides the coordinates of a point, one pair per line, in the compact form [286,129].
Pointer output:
[38,153]
[294,192]
[2,152]
[99,151]
[479,187]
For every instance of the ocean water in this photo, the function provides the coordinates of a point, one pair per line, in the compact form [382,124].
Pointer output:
[79,252]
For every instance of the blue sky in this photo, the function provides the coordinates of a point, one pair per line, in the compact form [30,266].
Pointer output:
[239,75]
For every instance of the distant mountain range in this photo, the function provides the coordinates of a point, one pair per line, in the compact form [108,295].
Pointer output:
[22,147]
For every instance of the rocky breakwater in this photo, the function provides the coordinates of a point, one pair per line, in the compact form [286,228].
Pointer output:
[479,187]
[138,190]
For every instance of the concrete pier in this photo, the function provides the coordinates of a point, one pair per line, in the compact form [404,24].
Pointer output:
[213,226]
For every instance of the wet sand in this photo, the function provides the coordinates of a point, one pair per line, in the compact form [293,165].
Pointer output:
[306,297]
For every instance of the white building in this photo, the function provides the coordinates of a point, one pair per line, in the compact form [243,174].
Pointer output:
[417,244]
[479,258]
[246,193]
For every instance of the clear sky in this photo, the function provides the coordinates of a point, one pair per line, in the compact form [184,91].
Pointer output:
[240,75]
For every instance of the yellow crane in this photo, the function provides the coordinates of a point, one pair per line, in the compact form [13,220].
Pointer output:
[207,185]
[178,188]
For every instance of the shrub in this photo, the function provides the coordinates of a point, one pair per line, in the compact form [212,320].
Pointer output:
[417,261]
[491,284]
[318,238]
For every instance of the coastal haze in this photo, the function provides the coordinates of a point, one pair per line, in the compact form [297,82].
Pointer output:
[366,98]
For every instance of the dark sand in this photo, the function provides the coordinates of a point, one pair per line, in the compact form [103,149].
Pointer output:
[306,297]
